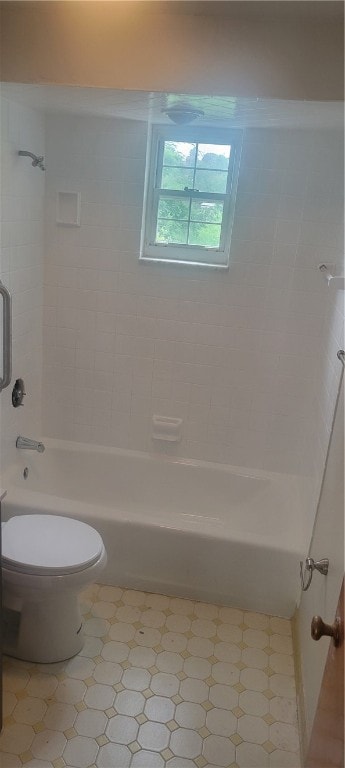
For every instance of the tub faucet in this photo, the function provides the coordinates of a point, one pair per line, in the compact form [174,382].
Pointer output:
[30,445]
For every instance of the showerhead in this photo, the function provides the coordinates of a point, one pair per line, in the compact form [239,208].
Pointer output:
[37,160]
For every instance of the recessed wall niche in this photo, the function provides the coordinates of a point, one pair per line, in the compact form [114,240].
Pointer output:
[68,209]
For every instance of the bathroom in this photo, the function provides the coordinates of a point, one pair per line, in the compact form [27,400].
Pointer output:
[238,363]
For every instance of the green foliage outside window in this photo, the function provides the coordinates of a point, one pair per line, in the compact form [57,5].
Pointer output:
[185,220]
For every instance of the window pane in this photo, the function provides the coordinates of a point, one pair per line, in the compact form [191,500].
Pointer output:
[173,208]
[179,153]
[213,156]
[177,178]
[211,181]
[189,197]
[171,231]
[207,235]
[207,210]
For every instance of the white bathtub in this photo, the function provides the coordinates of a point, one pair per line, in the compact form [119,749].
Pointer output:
[192,529]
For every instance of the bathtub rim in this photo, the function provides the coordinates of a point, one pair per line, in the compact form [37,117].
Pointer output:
[158,456]
[292,487]
[51,504]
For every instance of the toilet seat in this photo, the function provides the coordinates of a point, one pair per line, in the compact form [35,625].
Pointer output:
[49,544]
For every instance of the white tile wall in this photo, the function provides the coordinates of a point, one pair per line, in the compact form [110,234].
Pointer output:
[234,354]
[21,265]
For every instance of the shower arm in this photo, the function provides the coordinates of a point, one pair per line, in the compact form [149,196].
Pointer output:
[37,160]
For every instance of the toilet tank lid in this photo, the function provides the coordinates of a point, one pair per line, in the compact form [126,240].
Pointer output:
[50,543]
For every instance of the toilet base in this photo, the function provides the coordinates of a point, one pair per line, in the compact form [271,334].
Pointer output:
[42,630]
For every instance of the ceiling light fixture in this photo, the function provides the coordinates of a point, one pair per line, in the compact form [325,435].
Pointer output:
[182,113]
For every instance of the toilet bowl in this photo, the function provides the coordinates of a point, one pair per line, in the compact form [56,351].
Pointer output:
[46,561]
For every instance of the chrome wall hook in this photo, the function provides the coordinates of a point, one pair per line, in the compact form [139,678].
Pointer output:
[309,566]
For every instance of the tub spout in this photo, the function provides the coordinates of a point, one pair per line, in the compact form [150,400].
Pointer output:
[30,445]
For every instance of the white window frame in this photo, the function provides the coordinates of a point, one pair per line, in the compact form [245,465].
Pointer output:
[173,252]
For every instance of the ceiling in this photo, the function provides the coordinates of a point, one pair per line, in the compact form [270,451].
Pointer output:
[144,106]
[259,9]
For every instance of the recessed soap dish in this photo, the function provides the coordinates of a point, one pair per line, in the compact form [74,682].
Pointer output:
[68,209]
[166,428]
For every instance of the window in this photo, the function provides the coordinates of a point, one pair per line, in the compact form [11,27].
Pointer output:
[191,178]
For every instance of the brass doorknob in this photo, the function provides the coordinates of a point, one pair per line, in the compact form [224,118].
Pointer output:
[319,629]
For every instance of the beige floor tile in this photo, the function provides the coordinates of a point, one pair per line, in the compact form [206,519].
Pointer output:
[253,703]
[219,750]
[160,683]
[220,722]
[136,679]
[48,745]
[133,597]
[122,632]
[41,686]
[159,709]
[10,761]
[146,759]
[114,755]
[280,759]
[168,661]
[80,752]
[255,658]
[122,729]
[103,610]
[16,738]
[185,743]
[281,644]
[9,702]
[256,620]
[189,715]
[174,641]
[110,594]
[157,602]
[253,729]
[198,668]
[153,736]
[203,628]
[129,703]
[91,722]
[99,696]
[180,606]
[165,684]
[251,756]
[206,611]
[29,711]
[280,626]
[254,679]
[223,696]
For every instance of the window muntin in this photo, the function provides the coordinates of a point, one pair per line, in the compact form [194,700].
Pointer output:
[190,196]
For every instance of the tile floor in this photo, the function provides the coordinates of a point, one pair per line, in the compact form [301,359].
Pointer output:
[160,682]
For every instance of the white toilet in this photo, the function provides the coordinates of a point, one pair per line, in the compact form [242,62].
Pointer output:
[46,561]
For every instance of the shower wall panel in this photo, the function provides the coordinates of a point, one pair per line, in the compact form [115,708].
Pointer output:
[240,355]
[22,253]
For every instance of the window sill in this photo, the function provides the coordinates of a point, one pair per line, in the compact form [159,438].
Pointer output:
[181,262]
